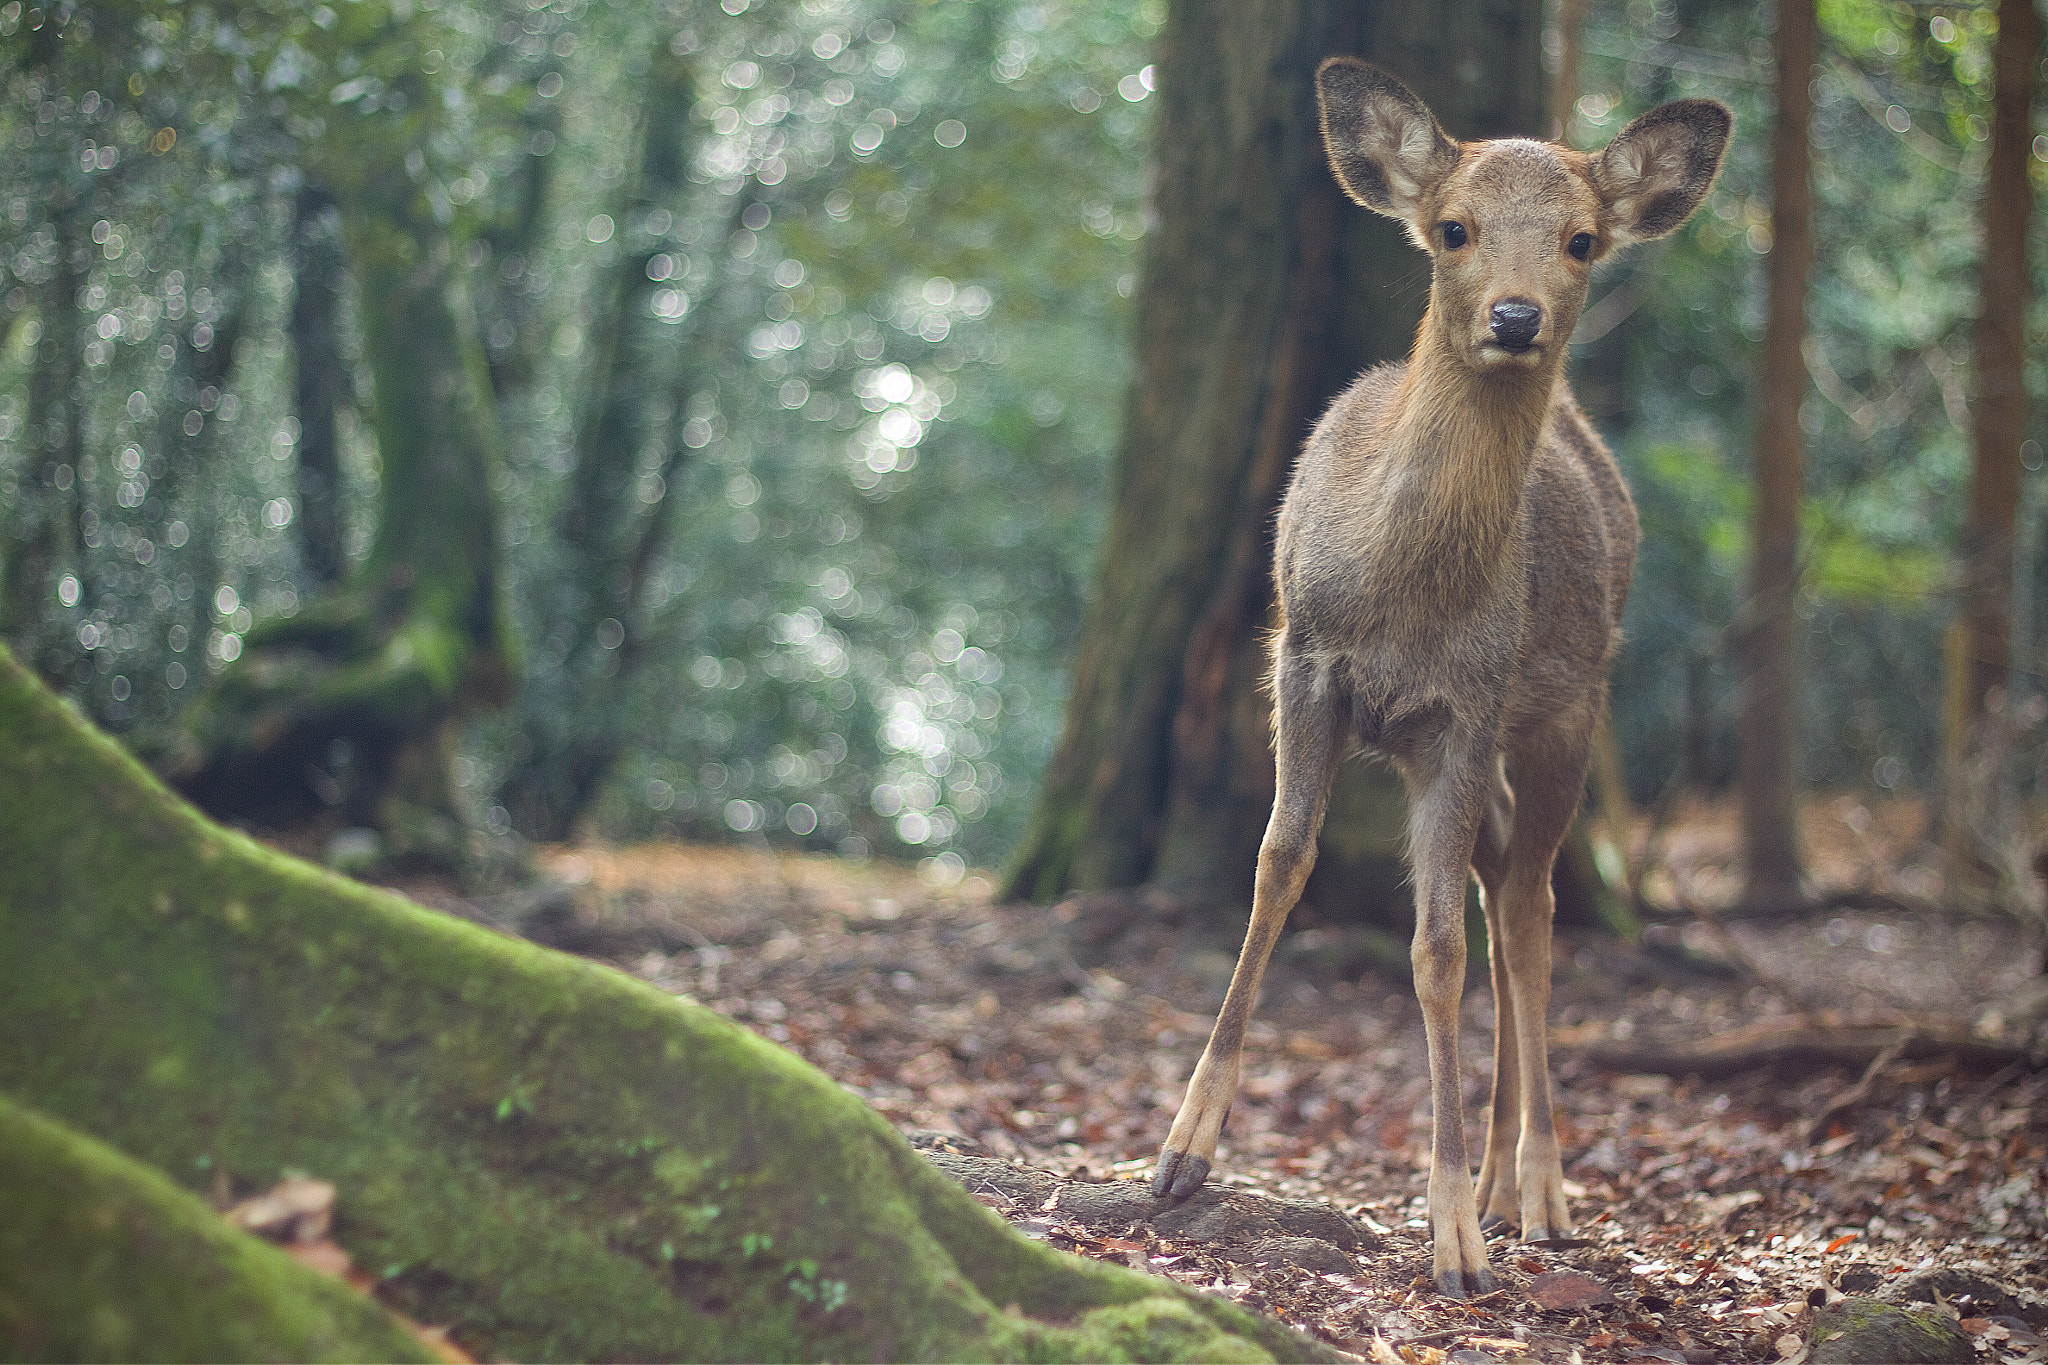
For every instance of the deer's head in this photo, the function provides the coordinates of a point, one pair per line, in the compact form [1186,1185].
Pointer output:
[1513,226]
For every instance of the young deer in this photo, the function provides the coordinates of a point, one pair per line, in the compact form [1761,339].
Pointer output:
[1452,558]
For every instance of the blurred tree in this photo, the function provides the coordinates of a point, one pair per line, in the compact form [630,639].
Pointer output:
[628,451]
[1977,726]
[1769,776]
[1263,294]
[355,702]
[321,382]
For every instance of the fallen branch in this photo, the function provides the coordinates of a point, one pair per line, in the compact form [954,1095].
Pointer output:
[1816,907]
[1799,1047]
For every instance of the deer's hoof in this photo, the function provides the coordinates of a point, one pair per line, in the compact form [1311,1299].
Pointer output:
[1179,1175]
[1454,1283]
[1492,1223]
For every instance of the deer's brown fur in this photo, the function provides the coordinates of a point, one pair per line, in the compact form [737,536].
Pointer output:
[1452,559]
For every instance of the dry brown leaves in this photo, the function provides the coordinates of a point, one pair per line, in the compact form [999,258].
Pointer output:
[1707,1217]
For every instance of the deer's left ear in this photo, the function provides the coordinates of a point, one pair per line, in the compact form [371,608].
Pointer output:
[1656,172]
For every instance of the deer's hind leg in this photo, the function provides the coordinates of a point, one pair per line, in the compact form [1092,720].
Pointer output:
[1309,739]
[1450,784]
[1550,779]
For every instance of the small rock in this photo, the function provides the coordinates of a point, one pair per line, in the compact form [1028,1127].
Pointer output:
[1859,1331]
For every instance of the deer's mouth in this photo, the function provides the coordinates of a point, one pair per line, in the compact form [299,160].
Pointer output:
[1507,354]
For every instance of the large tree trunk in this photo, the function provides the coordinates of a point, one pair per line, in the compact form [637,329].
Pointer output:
[351,706]
[1981,669]
[1264,293]
[558,1161]
[1768,747]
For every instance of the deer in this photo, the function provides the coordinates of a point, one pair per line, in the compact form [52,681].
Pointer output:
[1451,560]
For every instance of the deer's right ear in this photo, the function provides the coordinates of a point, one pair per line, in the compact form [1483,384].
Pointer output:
[1385,146]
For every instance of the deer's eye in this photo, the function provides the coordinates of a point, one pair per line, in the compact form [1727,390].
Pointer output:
[1581,246]
[1454,235]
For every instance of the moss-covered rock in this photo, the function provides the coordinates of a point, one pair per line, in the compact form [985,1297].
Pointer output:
[550,1157]
[1857,1331]
[103,1258]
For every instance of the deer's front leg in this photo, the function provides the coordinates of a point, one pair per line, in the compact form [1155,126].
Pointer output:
[1446,817]
[1308,742]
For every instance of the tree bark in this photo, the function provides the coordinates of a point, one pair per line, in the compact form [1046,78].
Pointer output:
[558,1161]
[1767,761]
[611,531]
[320,382]
[1264,293]
[351,706]
[1981,672]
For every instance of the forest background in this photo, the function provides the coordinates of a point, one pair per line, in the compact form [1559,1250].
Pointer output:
[782,351]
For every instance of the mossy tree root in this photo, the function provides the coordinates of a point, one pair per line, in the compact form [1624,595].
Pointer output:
[103,1258]
[553,1159]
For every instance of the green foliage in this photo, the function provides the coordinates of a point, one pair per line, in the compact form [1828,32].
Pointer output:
[880,339]
[862,305]
[1901,103]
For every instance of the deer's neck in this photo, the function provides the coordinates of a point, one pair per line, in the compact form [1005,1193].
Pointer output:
[1461,446]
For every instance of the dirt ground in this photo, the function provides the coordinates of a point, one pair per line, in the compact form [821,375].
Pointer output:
[1711,1211]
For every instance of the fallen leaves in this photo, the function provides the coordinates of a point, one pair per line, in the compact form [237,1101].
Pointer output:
[1061,1039]
[297,1214]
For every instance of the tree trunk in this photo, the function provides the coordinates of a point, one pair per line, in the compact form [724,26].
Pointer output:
[45,537]
[558,1161]
[351,706]
[1264,293]
[616,518]
[1767,761]
[321,383]
[1981,670]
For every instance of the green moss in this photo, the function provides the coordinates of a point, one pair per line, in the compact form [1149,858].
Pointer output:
[553,1158]
[103,1258]
[1857,1331]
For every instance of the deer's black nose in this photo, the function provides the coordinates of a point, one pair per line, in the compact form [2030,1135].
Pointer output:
[1515,323]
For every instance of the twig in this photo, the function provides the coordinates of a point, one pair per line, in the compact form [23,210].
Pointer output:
[1858,1092]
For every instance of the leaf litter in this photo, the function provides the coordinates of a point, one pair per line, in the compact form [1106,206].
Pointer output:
[1053,1043]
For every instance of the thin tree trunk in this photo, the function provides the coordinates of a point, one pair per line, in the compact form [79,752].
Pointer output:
[1981,670]
[53,491]
[1768,755]
[616,517]
[321,383]
[1569,28]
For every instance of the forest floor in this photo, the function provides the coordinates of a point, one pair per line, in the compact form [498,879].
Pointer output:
[1715,1200]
